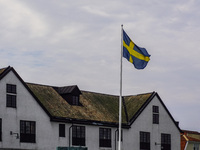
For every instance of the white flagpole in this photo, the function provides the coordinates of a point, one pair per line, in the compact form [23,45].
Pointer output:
[120,97]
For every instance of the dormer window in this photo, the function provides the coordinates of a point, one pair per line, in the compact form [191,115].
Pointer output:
[70,93]
[75,100]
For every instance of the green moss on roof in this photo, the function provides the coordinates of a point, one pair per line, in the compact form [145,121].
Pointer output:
[95,106]
[103,107]
[134,103]
[2,70]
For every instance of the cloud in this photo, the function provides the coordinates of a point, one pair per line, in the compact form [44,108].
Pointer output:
[18,19]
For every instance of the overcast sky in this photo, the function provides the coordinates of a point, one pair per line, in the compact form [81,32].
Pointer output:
[78,42]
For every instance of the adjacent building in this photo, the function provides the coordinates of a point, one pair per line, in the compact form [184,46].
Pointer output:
[44,117]
[190,140]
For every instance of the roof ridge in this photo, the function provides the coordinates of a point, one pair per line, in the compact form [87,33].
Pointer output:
[140,94]
[40,84]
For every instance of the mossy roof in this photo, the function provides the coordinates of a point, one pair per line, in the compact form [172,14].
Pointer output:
[2,70]
[95,106]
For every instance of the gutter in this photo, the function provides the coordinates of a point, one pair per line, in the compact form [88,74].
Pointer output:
[70,134]
[88,122]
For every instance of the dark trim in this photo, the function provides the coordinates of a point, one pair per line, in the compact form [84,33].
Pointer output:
[169,113]
[88,122]
[5,72]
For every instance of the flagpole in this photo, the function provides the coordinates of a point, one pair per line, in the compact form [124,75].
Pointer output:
[120,97]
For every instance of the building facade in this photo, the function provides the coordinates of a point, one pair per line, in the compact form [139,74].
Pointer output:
[41,117]
[190,140]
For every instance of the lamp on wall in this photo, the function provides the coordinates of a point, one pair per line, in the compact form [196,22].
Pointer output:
[13,133]
[157,143]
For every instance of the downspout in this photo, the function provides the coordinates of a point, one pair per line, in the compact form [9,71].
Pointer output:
[70,135]
[116,139]
[186,146]
[186,142]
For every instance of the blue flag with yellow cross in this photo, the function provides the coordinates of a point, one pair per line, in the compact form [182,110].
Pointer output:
[138,56]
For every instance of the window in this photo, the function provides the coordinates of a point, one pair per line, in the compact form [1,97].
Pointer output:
[11,95]
[104,137]
[0,129]
[155,115]
[78,135]
[75,100]
[61,130]
[196,147]
[166,141]
[27,131]
[144,140]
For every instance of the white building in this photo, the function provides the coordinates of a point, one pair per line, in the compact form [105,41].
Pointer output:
[41,117]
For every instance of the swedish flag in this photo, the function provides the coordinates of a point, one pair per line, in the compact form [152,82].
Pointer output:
[138,56]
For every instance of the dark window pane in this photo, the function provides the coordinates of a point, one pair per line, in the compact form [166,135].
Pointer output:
[155,118]
[144,141]
[0,129]
[10,88]
[104,137]
[166,141]
[11,100]
[155,109]
[61,130]
[27,131]
[78,135]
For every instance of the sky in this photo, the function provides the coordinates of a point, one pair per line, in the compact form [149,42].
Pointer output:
[66,42]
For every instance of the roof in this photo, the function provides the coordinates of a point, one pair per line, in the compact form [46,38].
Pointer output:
[191,132]
[66,89]
[95,109]
[95,106]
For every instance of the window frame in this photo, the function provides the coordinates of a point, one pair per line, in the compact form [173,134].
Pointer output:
[11,88]
[155,110]
[0,129]
[61,130]
[11,95]
[166,141]
[105,137]
[145,140]
[27,131]
[196,146]
[75,100]
[78,135]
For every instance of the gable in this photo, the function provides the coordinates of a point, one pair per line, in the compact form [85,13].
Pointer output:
[23,99]
[16,78]
[146,113]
